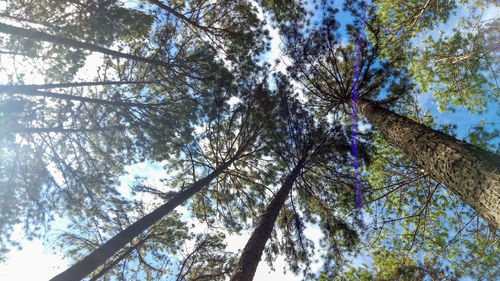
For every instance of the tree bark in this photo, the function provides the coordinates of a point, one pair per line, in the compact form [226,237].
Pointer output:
[59,40]
[177,14]
[469,171]
[59,130]
[27,91]
[92,261]
[16,88]
[117,260]
[208,29]
[20,19]
[249,259]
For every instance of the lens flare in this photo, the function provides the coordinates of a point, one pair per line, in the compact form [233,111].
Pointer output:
[359,199]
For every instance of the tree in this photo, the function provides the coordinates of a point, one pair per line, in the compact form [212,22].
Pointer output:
[99,22]
[469,171]
[240,146]
[325,67]
[181,83]
[303,148]
[464,58]
[165,239]
[436,231]
[79,138]
[84,267]
[59,40]
[208,260]
[467,64]
[102,23]
[76,129]
[231,27]
[250,257]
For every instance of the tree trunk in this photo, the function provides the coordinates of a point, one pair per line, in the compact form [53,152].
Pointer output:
[58,130]
[117,260]
[249,259]
[42,36]
[469,171]
[35,93]
[17,88]
[177,14]
[92,261]
[20,19]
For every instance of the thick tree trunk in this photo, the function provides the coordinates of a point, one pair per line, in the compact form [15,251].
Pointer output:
[469,171]
[42,36]
[92,261]
[249,259]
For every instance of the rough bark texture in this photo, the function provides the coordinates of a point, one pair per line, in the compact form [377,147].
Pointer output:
[42,36]
[249,259]
[469,171]
[91,262]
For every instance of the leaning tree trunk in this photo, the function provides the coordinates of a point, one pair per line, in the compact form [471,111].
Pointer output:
[36,93]
[249,259]
[59,40]
[469,171]
[177,14]
[118,259]
[59,130]
[92,261]
[16,88]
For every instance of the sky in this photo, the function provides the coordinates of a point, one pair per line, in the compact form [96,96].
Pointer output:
[45,264]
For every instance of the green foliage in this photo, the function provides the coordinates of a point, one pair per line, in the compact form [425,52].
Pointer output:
[63,157]
[460,69]
[404,19]
[97,22]
[232,27]
[149,255]
[81,148]
[412,219]
[208,260]
[284,10]
[480,136]
[102,23]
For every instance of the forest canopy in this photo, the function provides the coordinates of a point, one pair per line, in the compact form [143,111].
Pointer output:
[353,140]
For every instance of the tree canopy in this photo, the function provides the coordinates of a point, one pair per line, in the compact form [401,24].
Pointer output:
[92,88]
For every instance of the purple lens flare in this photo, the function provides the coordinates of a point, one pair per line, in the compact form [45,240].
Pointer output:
[359,199]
